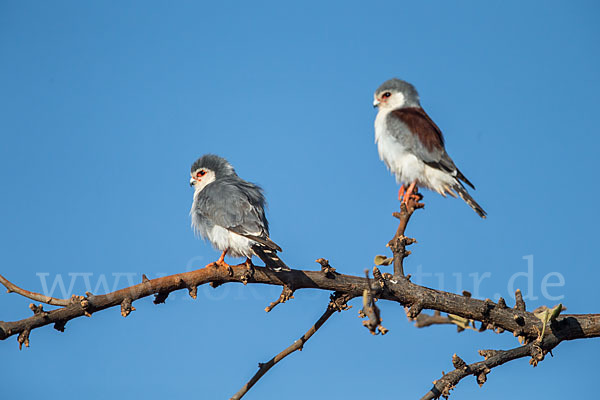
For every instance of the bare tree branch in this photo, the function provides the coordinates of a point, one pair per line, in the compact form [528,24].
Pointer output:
[539,337]
[493,358]
[12,288]
[337,303]
[521,323]
[286,294]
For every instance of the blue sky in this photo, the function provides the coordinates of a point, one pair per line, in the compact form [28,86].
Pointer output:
[104,107]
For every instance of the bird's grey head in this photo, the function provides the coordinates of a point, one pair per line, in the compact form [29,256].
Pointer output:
[209,168]
[394,94]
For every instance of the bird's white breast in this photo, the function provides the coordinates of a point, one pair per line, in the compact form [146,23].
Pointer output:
[403,163]
[223,239]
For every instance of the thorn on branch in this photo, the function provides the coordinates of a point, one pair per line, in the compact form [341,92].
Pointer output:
[216,284]
[408,241]
[414,310]
[520,303]
[76,299]
[537,355]
[338,301]
[388,277]
[502,303]
[487,353]
[86,306]
[326,269]
[379,277]
[466,293]
[398,245]
[23,339]
[37,310]
[160,297]
[521,337]
[286,294]
[482,376]
[517,332]
[247,275]
[193,291]
[145,278]
[60,325]
[126,307]
[459,363]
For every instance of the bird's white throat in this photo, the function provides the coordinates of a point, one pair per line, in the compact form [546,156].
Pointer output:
[202,182]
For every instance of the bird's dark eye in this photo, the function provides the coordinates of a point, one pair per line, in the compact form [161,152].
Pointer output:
[386,95]
[201,173]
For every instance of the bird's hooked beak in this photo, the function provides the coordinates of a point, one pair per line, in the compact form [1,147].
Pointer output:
[376,103]
[192,181]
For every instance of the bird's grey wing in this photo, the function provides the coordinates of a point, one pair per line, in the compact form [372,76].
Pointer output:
[428,143]
[238,206]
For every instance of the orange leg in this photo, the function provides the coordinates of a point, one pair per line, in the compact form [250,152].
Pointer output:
[401,192]
[409,192]
[248,263]
[221,260]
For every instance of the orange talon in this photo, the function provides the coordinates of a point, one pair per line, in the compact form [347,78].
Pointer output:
[401,193]
[221,261]
[409,192]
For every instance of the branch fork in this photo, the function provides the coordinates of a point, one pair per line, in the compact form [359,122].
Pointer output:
[287,293]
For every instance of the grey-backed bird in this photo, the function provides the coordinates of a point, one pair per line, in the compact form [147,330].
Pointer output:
[412,145]
[230,213]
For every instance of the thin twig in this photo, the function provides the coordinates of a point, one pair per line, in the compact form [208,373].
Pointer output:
[12,288]
[493,358]
[286,294]
[399,242]
[334,305]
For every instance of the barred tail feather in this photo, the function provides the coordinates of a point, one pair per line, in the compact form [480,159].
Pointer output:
[269,257]
[462,192]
